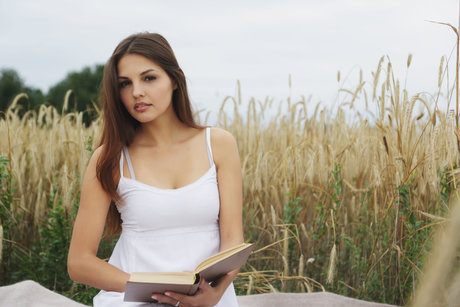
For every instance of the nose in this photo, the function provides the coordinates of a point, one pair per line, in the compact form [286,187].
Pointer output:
[138,90]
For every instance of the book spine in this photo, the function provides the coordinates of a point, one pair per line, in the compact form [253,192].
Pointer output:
[193,289]
[195,286]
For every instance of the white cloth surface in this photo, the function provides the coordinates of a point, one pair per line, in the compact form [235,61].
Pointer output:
[31,294]
[166,230]
[317,299]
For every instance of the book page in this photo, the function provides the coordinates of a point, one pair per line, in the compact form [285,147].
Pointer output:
[185,278]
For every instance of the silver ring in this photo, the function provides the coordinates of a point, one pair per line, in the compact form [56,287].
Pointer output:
[177,304]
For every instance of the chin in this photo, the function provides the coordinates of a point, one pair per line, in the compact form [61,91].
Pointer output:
[145,121]
[141,118]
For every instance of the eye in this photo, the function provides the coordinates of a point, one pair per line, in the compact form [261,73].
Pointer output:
[123,84]
[150,78]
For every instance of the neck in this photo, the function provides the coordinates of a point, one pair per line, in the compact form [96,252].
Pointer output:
[163,132]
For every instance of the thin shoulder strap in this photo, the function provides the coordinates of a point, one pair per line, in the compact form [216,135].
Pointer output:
[208,146]
[130,165]
[121,164]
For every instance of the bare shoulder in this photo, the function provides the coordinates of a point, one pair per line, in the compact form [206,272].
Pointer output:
[221,135]
[223,145]
[221,138]
[95,157]
[91,168]
[91,185]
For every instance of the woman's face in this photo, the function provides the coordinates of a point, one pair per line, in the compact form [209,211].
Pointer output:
[145,88]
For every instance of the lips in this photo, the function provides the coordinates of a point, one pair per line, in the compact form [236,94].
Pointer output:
[141,106]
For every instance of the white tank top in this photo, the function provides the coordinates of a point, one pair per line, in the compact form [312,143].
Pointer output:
[166,230]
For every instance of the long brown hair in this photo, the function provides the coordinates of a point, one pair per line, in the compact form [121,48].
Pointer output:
[119,127]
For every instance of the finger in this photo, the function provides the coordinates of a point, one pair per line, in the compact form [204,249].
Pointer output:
[177,297]
[160,298]
[203,284]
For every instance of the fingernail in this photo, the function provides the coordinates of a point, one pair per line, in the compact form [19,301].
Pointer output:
[154,297]
[167,293]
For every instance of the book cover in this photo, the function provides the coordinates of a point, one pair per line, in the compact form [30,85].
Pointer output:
[141,285]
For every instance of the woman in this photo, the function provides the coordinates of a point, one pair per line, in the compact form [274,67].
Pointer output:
[172,187]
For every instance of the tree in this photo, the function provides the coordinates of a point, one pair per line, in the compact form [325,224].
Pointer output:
[85,86]
[11,85]
[36,97]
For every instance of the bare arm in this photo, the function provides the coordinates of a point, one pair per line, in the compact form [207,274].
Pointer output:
[229,177]
[82,264]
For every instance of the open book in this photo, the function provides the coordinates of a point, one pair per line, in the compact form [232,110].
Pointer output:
[141,285]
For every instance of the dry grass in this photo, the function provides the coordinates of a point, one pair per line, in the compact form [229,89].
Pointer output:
[353,230]
[434,289]
[47,154]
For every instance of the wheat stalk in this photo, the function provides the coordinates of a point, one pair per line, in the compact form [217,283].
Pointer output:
[283,149]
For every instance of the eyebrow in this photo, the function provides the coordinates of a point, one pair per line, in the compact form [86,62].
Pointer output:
[142,73]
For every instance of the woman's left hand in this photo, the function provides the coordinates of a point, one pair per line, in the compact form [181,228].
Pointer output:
[206,296]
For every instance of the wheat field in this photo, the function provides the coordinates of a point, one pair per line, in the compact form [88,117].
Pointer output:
[348,206]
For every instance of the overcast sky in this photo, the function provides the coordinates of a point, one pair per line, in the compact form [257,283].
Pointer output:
[257,42]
